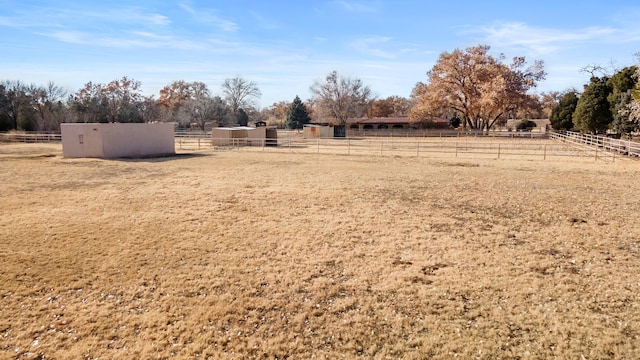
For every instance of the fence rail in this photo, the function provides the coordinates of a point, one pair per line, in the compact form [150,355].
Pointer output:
[492,145]
[445,133]
[489,148]
[603,143]
[29,137]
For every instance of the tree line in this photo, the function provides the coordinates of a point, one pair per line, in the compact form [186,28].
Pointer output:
[190,105]
[471,88]
[42,108]
[609,102]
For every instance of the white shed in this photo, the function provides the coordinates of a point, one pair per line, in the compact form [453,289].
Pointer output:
[311,131]
[117,140]
[244,136]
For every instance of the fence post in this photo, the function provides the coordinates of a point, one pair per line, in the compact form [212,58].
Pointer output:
[545,152]
[348,146]
[417,148]
[318,145]
[381,146]
[456,149]
[498,150]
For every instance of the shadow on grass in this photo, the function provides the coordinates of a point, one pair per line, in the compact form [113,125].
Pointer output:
[165,158]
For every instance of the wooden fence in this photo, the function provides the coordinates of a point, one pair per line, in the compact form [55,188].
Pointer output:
[613,147]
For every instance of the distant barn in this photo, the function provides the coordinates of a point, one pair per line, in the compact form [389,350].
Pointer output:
[117,140]
[380,124]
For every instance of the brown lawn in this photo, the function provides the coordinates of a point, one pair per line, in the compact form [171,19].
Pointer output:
[240,254]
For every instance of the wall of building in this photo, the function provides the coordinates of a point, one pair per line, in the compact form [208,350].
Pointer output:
[117,140]
[316,131]
[228,136]
[81,140]
[243,135]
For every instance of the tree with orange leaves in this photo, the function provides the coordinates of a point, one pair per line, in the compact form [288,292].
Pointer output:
[475,86]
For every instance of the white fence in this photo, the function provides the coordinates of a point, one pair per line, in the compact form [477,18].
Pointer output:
[597,142]
[492,145]
[30,137]
[467,147]
[445,133]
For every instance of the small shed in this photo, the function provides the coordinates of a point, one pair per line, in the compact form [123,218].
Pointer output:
[310,131]
[244,136]
[224,136]
[117,140]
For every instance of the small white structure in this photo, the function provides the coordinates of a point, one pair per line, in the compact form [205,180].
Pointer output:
[244,136]
[117,140]
[310,131]
[224,136]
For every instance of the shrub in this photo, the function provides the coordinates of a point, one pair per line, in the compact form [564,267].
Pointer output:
[526,125]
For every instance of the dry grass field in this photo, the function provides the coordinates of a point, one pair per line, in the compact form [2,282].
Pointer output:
[247,254]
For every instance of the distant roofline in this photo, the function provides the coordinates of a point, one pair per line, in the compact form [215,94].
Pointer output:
[375,120]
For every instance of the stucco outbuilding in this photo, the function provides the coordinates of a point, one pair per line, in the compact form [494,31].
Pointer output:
[117,140]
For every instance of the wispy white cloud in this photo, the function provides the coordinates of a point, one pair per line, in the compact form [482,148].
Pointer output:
[125,40]
[40,17]
[542,40]
[357,6]
[130,15]
[209,16]
[372,46]
[238,48]
[263,21]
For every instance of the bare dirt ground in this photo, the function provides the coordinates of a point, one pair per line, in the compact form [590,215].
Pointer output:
[238,254]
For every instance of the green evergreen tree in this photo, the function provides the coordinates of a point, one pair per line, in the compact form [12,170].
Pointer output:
[297,115]
[593,111]
[623,121]
[620,83]
[562,114]
[242,118]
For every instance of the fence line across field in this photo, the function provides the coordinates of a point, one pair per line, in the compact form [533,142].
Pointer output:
[445,147]
[31,137]
[619,146]
[490,145]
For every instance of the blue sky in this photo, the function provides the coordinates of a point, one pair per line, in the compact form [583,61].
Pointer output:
[284,46]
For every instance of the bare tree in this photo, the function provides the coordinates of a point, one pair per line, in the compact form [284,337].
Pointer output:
[203,109]
[48,105]
[240,93]
[14,94]
[151,110]
[117,101]
[342,97]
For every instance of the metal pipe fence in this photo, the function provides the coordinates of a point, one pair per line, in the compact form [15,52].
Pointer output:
[468,147]
[30,137]
[445,133]
[598,142]
[492,145]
